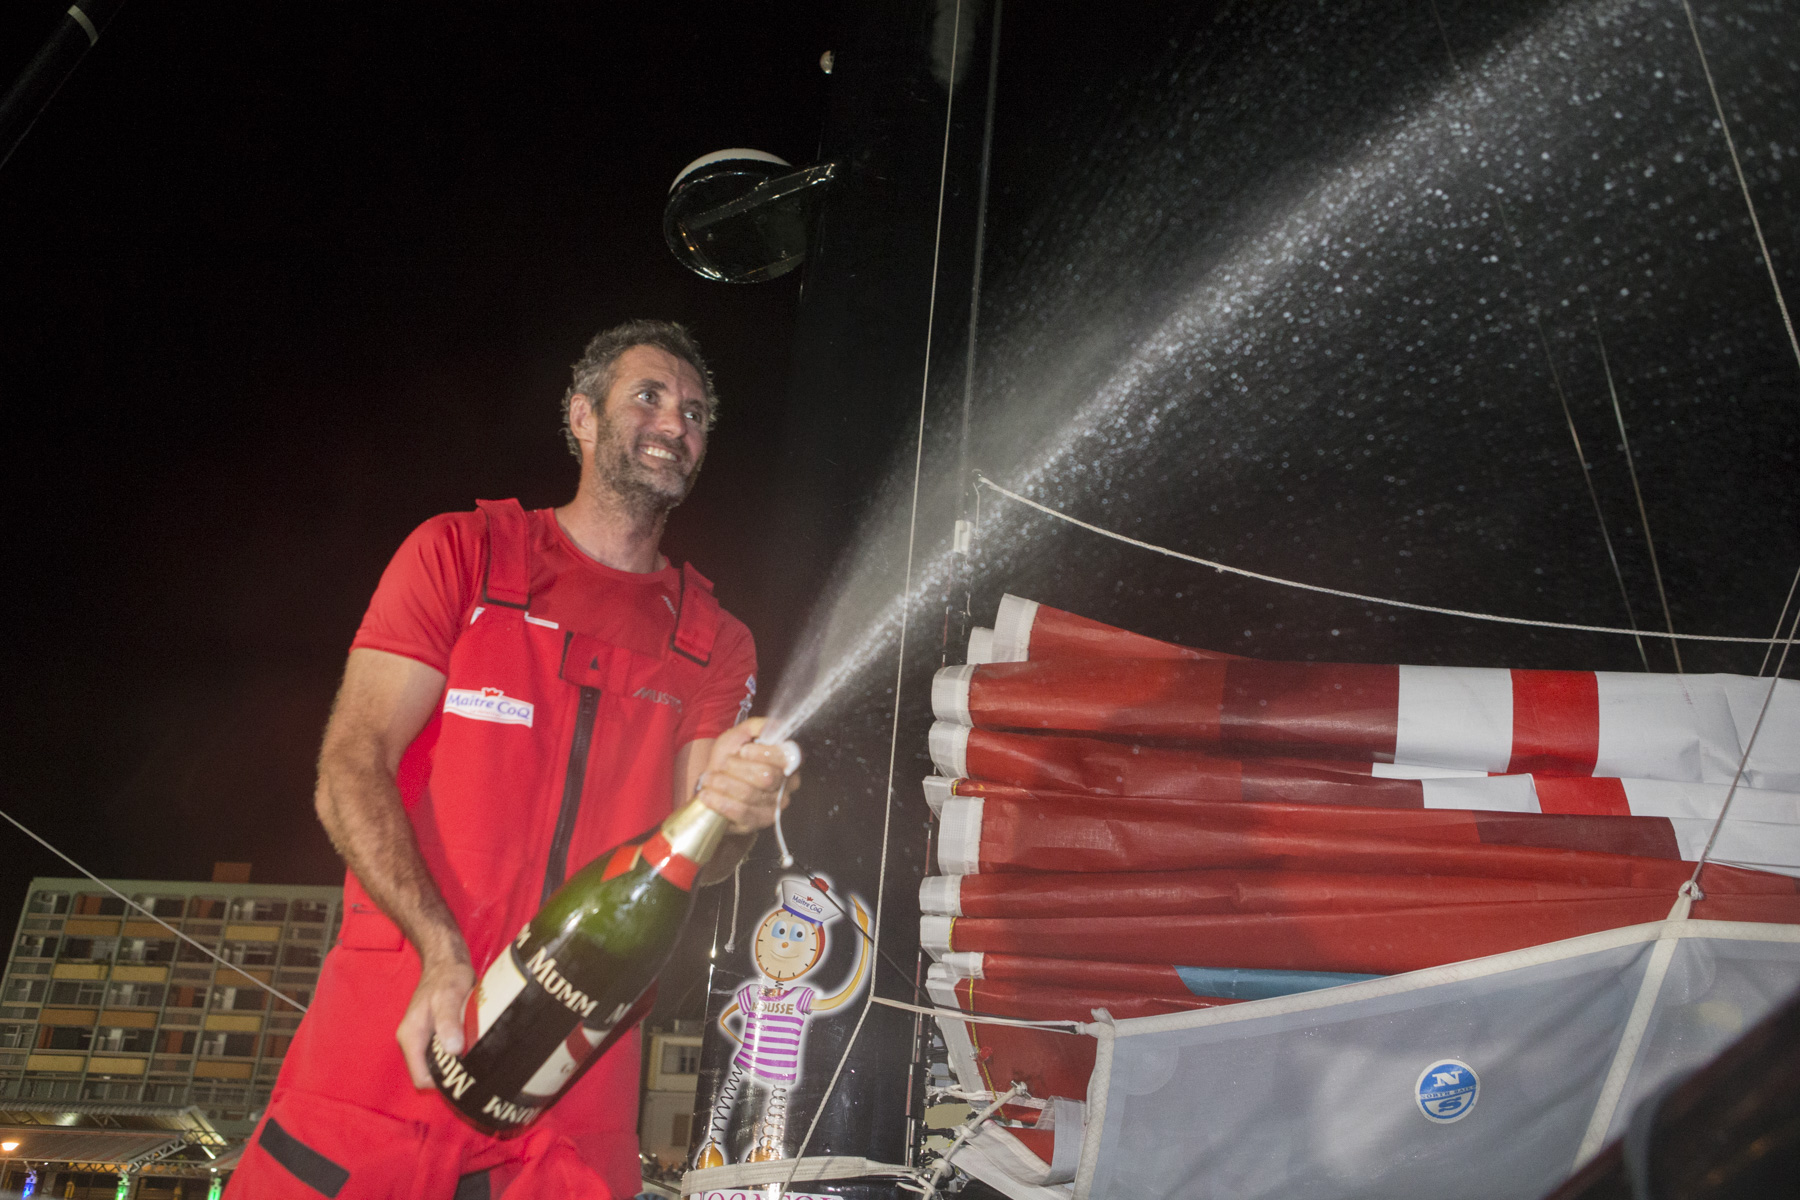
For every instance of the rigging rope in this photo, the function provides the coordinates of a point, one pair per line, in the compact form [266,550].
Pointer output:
[284,998]
[968,1131]
[1778,620]
[1562,398]
[1743,184]
[912,528]
[1744,759]
[984,481]
[1643,515]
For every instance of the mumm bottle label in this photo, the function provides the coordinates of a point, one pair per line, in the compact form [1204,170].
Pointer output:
[513,973]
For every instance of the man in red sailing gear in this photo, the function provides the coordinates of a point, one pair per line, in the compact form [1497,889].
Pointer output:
[527,690]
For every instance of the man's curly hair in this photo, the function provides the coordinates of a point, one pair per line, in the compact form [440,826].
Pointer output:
[593,371]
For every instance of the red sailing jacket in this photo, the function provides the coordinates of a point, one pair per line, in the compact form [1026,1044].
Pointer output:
[552,744]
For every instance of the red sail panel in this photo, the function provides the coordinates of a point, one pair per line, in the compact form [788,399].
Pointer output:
[1117,835]
[1592,797]
[1384,943]
[1188,893]
[1565,828]
[1047,1063]
[1479,719]
[1327,709]
[1041,1142]
[1107,768]
[1052,633]
[1555,722]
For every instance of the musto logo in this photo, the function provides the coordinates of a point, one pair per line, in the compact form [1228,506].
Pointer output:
[1447,1091]
[487,704]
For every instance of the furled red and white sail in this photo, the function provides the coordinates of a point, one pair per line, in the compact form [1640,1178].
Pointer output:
[1146,830]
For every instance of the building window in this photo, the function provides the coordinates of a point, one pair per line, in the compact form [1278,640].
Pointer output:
[107,1089]
[297,956]
[680,1059]
[229,1045]
[77,991]
[241,998]
[49,903]
[24,991]
[176,1041]
[186,996]
[275,1045]
[35,946]
[82,949]
[49,1089]
[166,907]
[311,911]
[16,1037]
[192,953]
[135,995]
[147,950]
[93,904]
[64,1037]
[249,954]
[251,908]
[206,908]
[128,1041]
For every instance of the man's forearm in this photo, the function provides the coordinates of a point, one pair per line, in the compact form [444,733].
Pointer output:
[361,810]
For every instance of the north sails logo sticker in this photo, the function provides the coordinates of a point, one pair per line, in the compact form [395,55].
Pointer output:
[488,704]
[1447,1091]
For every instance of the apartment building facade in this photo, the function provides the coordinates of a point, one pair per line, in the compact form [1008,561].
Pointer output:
[101,1004]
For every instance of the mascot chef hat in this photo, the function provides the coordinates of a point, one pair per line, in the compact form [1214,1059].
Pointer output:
[807,901]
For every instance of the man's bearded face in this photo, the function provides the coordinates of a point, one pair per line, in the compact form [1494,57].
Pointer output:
[650,434]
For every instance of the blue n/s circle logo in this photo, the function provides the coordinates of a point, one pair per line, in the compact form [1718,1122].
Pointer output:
[1447,1091]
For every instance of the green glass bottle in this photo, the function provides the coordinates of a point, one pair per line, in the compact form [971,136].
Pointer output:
[569,984]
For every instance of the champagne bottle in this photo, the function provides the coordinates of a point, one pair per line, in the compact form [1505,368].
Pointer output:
[570,983]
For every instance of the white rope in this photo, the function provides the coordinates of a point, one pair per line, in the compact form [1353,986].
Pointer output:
[787,857]
[962,1138]
[984,481]
[1744,759]
[1643,514]
[1743,184]
[1785,604]
[737,894]
[957,1014]
[912,529]
[286,999]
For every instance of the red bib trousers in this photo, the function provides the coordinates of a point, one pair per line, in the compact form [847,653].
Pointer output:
[552,745]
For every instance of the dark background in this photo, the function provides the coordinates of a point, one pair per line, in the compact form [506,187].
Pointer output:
[278,283]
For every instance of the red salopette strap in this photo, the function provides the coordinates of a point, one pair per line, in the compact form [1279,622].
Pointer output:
[677,869]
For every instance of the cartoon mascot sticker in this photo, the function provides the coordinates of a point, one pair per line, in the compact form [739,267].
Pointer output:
[772,1012]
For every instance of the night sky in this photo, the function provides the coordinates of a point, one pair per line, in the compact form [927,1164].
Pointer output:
[282,282]
[278,284]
